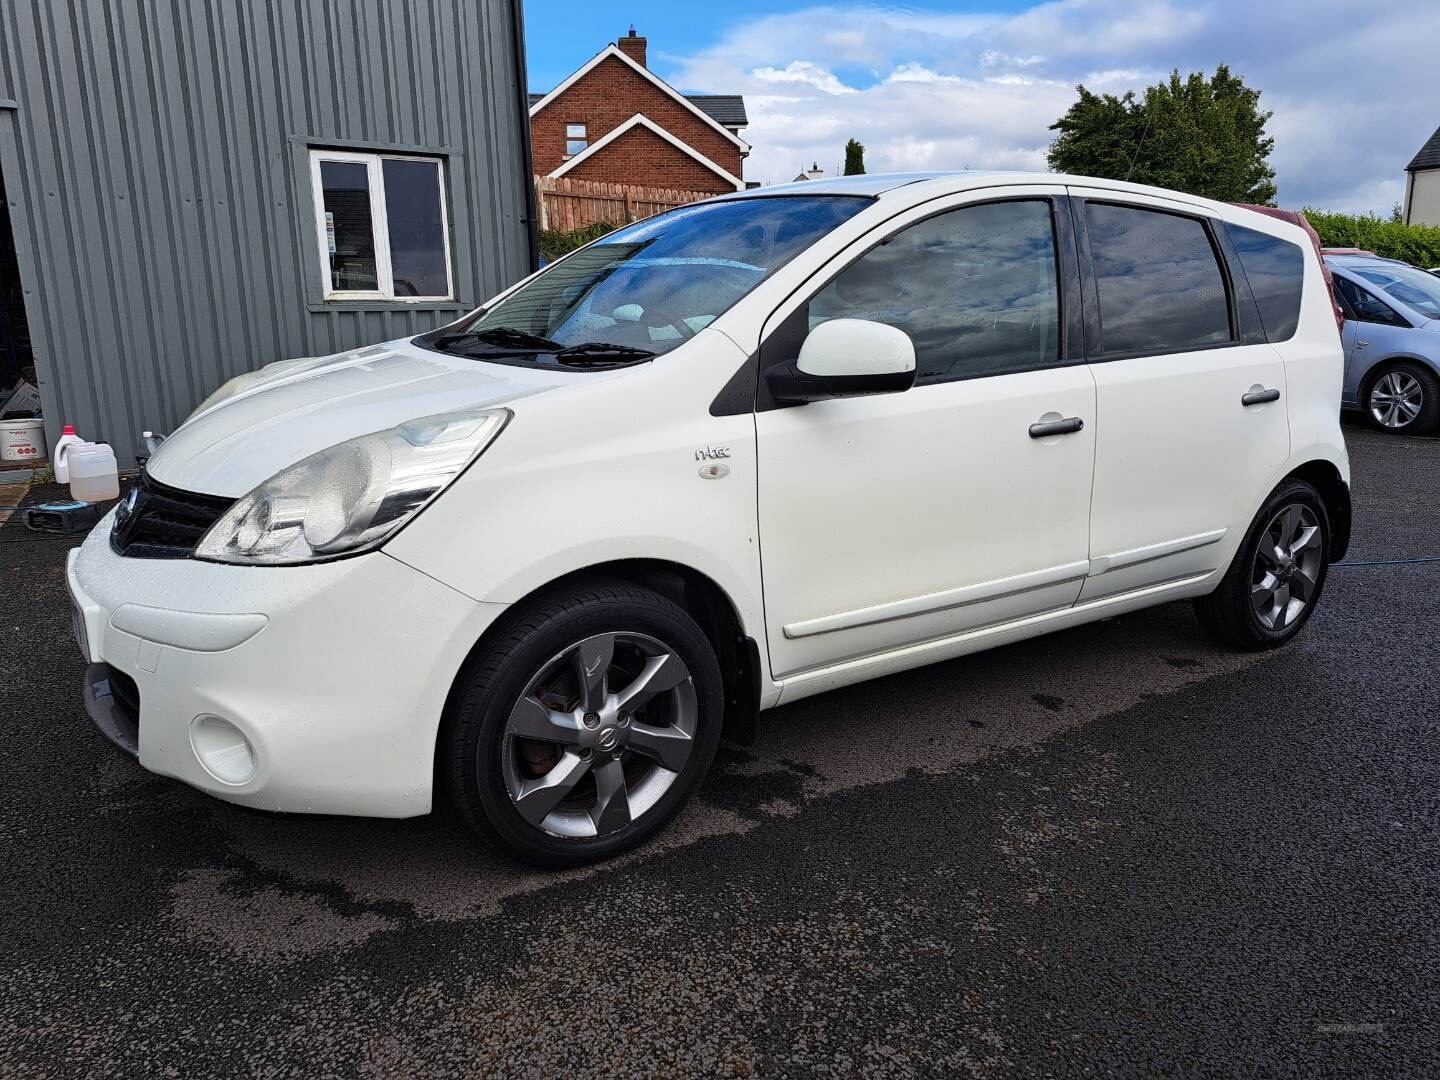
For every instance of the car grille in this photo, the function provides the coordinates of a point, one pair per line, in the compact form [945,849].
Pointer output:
[159,522]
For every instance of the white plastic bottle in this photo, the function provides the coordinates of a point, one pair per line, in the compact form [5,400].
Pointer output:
[93,473]
[59,459]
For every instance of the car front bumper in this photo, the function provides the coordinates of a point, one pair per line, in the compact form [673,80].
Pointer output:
[335,674]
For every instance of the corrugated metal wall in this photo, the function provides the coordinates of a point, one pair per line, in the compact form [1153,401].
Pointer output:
[154,154]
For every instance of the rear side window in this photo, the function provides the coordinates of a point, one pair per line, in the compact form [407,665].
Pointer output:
[1275,269]
[975,288]
[1160,284]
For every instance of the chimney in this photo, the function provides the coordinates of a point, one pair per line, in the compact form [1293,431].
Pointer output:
[633,46]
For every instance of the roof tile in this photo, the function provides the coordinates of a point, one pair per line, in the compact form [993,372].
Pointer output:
[1429,155]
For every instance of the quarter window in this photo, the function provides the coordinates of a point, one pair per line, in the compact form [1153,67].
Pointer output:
[382,226]
[1275,269]
[575,139]
[975,288]
[1160,284]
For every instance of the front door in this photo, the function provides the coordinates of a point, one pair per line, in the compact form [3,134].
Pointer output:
[1193,419]
[903,518]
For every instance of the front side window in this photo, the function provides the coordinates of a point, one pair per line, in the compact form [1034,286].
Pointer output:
[654,284]
[1366,305]
[975,288]
[1159,278]
[1275,270]
[382,228]
[575,139]
[1414,288]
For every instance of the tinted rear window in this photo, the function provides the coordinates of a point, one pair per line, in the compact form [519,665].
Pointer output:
[1161,289]
[1275,269]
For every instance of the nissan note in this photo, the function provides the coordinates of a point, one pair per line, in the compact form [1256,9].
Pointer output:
[746,451]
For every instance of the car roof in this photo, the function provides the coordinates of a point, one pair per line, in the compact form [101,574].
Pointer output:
[918,187]
[882,184]
[1350,262]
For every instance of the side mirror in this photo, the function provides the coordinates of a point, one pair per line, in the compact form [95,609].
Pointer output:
[846,358]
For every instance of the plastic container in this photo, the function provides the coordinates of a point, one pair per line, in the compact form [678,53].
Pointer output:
[93,475]
[22,440]
[60,458]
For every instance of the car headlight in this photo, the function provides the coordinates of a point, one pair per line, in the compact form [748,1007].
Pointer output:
[352,496]
[244,382]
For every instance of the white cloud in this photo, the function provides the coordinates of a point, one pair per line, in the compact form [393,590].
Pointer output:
[934,89]
[802,71]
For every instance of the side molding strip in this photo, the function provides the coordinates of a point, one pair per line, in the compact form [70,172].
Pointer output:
[1135,556]
[932,602]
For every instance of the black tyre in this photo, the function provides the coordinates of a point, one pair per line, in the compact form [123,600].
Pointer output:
[1275,580]
[1404,399]
[585,725]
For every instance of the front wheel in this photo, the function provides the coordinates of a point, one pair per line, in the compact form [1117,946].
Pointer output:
[586,726]
[1275,580]
[1404,400]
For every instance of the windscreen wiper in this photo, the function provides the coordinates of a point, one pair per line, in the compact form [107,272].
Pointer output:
[505,336]
[601,354]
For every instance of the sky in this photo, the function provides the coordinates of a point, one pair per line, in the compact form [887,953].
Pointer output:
[960,85]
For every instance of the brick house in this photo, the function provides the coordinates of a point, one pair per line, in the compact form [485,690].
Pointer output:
[615,120]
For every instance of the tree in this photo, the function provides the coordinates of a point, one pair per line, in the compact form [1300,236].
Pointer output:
[1197,134]
[854,158]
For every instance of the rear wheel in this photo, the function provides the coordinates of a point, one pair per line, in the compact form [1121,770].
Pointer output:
[1275,580]
[586,725]
[1404,399]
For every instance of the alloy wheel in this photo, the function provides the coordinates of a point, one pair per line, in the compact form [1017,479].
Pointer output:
[1396,399]
[1287,567]
[599,734]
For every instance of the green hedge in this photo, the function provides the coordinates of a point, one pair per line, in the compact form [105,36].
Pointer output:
[1415,244]
[554,243]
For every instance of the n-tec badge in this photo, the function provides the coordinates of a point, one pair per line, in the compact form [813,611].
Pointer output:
[712,453]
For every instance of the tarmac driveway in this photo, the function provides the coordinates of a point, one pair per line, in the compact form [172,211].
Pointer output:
[1113,850]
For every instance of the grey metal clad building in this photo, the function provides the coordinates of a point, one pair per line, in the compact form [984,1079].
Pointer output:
[194,188]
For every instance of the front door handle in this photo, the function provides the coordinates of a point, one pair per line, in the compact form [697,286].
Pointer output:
[1056,427]
[1259,397]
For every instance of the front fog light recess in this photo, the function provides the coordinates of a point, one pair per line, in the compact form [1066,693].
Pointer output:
[222,750]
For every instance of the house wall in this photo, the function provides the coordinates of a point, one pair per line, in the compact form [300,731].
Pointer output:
[155,162]
[1423,198]
[642,153]
[605,97]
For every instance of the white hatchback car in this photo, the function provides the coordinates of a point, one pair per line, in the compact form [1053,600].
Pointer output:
[739,453]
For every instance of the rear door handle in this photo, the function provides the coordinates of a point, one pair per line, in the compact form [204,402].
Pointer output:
[1056,427]
[1259,397]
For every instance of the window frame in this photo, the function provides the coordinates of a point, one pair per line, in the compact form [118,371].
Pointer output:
[1219,249]
[782,343]
[583,138]
[379,225]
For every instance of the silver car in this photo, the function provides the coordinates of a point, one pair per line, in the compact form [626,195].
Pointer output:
[1392,341]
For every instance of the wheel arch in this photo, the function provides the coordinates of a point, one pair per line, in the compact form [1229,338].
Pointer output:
[1379,367]
[699,594]
[1325,478]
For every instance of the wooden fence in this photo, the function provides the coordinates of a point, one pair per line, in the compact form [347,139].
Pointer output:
[566,204]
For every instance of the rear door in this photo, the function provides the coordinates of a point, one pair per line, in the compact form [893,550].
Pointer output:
[1190,398]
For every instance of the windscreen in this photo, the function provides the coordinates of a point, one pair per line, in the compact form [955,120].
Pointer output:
[656,283]
[1414,288]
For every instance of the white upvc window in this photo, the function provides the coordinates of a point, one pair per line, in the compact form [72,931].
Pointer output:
[382,227]
[576,139]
